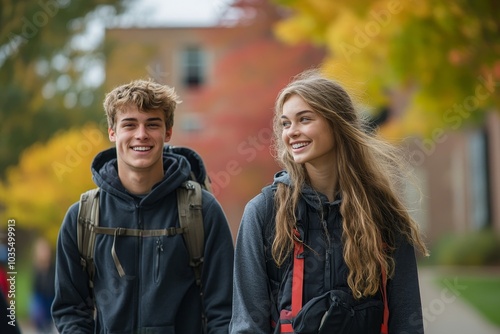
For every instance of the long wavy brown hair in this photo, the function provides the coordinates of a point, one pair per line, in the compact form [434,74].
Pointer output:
[370,179]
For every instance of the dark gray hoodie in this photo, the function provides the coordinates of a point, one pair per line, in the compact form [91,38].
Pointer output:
[158,293]
[259,294]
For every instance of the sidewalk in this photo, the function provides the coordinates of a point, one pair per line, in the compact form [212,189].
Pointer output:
[445,312]
[27,328]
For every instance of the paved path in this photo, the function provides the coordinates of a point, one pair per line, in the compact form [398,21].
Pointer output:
[443,310]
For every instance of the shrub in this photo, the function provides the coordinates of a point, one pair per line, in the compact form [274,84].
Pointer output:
[475,248]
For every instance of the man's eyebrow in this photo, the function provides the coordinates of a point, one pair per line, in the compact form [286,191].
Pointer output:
[154,119]
[128,119]
[132,119]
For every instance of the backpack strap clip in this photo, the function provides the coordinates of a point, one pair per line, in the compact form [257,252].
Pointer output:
[190,219]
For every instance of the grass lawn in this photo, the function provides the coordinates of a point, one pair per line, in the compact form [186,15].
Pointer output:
[482,292]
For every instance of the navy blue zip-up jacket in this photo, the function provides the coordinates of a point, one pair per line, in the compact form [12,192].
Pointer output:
[158,293]
[261,290]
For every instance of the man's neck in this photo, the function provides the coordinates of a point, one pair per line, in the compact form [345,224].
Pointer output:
[139,183]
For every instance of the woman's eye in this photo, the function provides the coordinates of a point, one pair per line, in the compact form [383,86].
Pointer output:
[285,124]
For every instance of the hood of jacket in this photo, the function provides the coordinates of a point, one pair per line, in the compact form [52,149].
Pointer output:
[104,169]
[313,198]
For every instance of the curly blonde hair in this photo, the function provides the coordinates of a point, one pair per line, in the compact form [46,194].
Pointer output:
[147,95]
[369,175]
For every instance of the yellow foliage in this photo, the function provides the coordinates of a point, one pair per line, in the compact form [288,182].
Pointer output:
[49,178]
[294,30]
[448,51]
[325,9]
[363,87]
[338,30]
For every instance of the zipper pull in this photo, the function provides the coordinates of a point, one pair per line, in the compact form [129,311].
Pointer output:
[159,245]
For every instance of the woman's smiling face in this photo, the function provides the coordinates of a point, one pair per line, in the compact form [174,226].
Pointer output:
[306,134]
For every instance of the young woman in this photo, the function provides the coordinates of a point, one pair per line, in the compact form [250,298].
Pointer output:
[329,247]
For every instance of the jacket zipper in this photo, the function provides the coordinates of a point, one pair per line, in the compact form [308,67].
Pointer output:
[159,249]
[328,251]
[139,270]
[328,259]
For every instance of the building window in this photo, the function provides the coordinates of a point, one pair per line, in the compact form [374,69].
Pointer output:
[191,122]
[478,166]
[193,67]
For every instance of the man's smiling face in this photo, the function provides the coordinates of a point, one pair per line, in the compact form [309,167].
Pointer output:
[139,137]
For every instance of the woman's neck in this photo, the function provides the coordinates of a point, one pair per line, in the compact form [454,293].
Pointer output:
[324,180]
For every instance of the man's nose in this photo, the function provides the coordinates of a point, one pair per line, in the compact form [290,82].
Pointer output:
[141,132]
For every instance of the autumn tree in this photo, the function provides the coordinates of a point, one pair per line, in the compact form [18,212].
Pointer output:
[439,61]
[49,178]
[47,59]
[237,135]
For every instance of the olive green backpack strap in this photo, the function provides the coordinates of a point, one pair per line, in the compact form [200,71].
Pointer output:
[189,204]
[88,220]
[191,220]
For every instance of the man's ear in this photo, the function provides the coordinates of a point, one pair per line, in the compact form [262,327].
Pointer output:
[168,135]
[111,135]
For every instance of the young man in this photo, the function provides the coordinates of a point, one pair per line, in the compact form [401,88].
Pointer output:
[143,284]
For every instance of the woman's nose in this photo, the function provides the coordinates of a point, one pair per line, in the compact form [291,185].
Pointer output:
[292,131]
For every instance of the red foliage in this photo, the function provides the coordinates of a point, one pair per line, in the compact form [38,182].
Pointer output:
[238,105]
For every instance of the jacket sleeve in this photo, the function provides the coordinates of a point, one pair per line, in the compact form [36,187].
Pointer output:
[405,308]
[251,296]
[72,309]
[218,267]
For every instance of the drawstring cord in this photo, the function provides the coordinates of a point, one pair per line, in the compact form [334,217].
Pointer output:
[118,265]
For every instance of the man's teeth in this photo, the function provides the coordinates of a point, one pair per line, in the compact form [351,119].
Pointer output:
[141,148]
[299,145]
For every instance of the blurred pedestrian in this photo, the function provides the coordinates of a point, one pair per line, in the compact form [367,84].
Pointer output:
[43,287]
[4,285]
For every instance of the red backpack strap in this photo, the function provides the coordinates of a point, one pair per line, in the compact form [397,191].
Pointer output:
[385,325]
[297,285]
[298,274]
